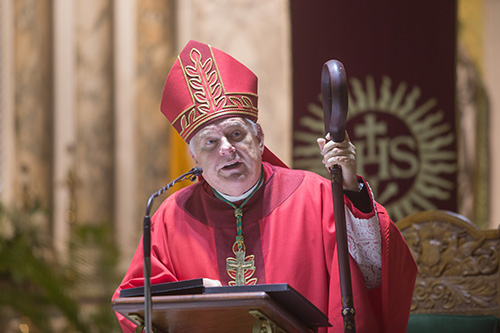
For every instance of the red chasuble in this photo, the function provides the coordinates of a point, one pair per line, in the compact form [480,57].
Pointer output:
[288,226]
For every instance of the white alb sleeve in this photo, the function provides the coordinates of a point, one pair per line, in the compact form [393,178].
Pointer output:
[365,246]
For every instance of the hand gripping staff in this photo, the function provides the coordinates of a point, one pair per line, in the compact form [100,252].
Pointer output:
[334,95]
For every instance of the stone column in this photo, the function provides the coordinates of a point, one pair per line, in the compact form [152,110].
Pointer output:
[126,218]
[155,40]
[7,136]
[33,103]
[64,123]
[93,181]
[492,81]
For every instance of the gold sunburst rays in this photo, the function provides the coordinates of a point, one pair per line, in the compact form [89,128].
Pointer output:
[405,146]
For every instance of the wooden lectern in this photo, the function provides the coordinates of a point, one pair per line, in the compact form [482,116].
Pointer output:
[261,308]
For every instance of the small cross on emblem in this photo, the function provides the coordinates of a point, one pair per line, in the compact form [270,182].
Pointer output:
[241,268]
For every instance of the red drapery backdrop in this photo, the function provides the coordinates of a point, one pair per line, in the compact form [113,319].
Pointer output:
[400,62]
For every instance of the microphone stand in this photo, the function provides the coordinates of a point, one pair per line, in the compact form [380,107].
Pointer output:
[191,175]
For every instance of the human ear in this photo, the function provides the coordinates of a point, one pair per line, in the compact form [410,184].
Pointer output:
[193,156]
[260,137]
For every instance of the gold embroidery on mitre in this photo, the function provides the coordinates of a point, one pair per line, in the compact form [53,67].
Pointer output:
[207,92]
[205,83]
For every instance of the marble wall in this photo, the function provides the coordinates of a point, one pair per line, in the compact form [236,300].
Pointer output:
[82,135]
[89,143]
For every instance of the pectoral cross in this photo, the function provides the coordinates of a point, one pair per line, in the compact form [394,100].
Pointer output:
[241,268]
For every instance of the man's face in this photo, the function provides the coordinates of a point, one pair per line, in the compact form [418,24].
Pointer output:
[230,154]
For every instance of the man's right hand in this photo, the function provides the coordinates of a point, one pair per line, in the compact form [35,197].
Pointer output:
[211,283]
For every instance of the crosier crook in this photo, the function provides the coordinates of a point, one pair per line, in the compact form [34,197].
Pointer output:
[335,104]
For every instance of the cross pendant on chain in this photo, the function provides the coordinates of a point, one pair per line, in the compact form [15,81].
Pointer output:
[239,266]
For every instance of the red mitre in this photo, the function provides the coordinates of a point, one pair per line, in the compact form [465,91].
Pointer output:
[205,85]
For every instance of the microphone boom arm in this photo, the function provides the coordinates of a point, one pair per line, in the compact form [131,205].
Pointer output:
[146,242]
[191,175]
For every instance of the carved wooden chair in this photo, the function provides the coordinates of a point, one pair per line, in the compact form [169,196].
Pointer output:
[457,285]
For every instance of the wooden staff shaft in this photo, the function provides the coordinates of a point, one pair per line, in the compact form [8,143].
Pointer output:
[335,101]
[342,249]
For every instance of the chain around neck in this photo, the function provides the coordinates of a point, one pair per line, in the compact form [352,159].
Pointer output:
[238,211]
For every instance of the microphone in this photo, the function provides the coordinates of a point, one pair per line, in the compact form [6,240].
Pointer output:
[196,171]
[146,241]
[191,175]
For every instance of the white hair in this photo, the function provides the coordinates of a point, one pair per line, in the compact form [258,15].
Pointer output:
[253,127]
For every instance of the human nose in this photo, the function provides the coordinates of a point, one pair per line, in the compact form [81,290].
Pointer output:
[226,147]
